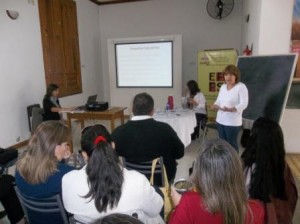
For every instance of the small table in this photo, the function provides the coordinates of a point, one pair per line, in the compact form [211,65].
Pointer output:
[111,114]
[182,121]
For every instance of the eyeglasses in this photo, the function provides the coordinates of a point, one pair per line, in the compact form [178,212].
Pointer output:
[87,128]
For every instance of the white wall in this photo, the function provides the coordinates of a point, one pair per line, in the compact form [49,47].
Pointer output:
[21,70]
[167,17]
[251,29]
[269,29]
[21,64]
[275,26]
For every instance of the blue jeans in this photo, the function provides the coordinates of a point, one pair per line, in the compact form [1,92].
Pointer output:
[229,134]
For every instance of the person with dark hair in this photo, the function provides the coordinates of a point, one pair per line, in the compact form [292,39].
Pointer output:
[230,104]
[196,102]
[103,186]
[51,103]
[118,218]
[52,108]
[39,170]
[143,139]
[10,200]
[268,176]
[219,194]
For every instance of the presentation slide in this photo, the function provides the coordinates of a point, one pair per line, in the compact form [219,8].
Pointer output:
[144,64]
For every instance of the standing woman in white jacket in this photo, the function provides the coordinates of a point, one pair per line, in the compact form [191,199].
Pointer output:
[103,186]
[231,102]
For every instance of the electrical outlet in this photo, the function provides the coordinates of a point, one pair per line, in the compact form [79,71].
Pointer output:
[18,139]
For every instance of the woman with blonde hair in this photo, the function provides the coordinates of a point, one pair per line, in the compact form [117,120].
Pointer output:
[39,170]
[219,195]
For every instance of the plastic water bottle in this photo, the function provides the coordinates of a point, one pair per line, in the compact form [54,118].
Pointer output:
[171,102]
[167,107]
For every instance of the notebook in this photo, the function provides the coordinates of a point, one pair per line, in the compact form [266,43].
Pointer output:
[91,99]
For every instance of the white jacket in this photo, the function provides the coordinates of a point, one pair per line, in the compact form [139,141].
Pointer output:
[138,196]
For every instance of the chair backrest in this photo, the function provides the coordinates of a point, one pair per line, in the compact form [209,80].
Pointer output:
[29,114]
[45,206]
[145,168]
[37,117]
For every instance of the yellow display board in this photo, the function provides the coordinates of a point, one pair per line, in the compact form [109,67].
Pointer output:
[211,64]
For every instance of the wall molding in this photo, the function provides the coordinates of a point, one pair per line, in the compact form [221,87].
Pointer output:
[20,144]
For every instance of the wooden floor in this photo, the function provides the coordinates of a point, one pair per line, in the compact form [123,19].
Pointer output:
[294,162]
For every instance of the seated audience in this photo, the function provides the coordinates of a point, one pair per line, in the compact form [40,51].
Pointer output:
[268,176]
[118,218]
[10,201]
[103,186]
[143,139]
[39,170]
[197,102]
[219,195]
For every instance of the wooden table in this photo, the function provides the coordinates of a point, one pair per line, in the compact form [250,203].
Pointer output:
[111,114]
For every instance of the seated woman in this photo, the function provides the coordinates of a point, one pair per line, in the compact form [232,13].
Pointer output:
[219,184]
[39,170]
[103,187]
[268,176]
[10,200]
[51,104]
[197,102]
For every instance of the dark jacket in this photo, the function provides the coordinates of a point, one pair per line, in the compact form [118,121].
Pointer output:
[49,115]
[144,140]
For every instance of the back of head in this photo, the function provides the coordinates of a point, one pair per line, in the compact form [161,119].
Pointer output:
[104,171]
[39,161]
[218,177]
[50,88]
[232,69]
[265,149]
[193,87]
[118,218]
[143,104]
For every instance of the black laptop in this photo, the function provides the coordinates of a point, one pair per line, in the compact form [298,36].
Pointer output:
[91,99]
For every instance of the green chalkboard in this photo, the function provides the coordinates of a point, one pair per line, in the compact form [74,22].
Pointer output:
[294,96]
[268,79]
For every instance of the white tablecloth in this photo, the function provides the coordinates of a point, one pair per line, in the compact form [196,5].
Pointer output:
[182,121]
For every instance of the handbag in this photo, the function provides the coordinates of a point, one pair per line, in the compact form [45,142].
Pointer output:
[166,190]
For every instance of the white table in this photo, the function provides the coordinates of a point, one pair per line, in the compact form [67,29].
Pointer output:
[183,121]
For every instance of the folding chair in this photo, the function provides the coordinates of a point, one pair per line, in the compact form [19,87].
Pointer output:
[145,168]
[46,208]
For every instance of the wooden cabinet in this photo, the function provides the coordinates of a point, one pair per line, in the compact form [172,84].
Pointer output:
[58,19]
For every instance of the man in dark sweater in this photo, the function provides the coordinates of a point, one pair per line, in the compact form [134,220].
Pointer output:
[143,139]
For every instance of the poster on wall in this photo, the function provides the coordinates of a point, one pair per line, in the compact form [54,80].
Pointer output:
[211,64]
[295,36]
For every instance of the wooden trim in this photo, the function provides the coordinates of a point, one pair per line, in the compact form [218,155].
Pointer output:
[20,144]
[115,2]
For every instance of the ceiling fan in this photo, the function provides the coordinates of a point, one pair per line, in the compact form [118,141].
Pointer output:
[218,9]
